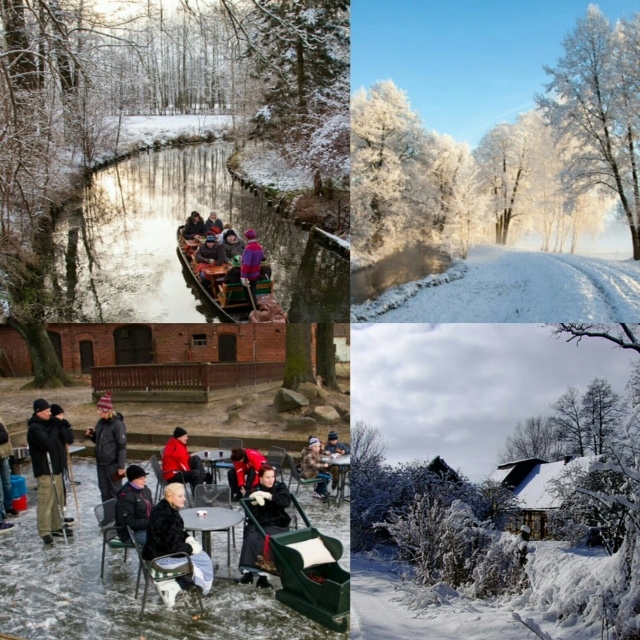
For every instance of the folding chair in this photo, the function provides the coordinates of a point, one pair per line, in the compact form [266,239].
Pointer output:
[161,483]
[226,443]
[106,516]
[295,474]
[276,457]
[208,495]
[153,572]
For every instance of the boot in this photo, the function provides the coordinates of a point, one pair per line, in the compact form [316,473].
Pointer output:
[168,591]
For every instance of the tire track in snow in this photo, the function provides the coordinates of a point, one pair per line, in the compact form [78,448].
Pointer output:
[619,289]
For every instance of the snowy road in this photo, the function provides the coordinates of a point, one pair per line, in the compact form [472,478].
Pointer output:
[499,284]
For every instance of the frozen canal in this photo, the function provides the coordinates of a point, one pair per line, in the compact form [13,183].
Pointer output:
[57,594]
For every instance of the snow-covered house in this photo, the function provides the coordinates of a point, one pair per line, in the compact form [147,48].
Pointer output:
[531,481]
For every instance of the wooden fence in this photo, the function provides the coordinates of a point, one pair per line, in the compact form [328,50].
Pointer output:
[184,377]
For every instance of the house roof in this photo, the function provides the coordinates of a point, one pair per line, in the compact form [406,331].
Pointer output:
[511,474]
[534,491]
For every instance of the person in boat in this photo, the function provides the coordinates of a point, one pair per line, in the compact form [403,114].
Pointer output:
[193,227]
[233,274]
[166,535]
[268,505]
[251,258]
[233,245]
[213,226]
[211,252]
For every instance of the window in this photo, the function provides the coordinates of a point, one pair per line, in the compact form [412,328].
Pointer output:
[199,340]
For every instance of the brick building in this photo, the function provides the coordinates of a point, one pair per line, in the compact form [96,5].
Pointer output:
[82,346]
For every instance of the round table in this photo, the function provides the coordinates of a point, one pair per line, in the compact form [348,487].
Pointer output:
[213,460]
[344,467]
[217,519]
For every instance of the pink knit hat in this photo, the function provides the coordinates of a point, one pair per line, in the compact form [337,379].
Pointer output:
[105,402]
[250,234]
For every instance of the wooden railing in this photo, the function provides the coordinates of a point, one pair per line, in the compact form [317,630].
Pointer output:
[184,377]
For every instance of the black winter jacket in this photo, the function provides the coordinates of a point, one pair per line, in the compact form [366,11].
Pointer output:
[273,513]
[44,438]
[165,533]
[111,441]
[65,433]
[133,509]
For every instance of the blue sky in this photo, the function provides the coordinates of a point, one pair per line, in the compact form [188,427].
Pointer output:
[466,65]
[458,390]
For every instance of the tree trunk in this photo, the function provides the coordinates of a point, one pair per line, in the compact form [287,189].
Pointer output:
[298,367]
[47,370]
[326,355]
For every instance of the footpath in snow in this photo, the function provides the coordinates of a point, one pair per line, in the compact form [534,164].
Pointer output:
[501,284]
[383,605]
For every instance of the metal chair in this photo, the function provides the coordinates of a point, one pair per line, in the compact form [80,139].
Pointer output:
[226,443]
[161,483]
[209,495]
[153,572]
[276,457]
[295,475]
[106,516]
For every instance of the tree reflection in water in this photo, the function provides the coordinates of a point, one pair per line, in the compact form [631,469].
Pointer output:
[115,254]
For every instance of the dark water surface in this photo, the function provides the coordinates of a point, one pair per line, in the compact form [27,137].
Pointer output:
[412,264]
[116,255]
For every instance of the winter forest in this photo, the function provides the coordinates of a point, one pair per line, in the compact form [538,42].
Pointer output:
[560,172]
[73,72]
[554,549]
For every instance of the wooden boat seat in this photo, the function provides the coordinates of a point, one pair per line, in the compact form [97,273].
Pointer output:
[235,295]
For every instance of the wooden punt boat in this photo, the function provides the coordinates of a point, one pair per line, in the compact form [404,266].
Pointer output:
[230,300]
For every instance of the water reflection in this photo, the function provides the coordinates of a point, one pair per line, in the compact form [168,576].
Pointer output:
[412,264]
[115,253]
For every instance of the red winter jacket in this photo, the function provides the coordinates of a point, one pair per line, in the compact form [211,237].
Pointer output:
[175,458]
[255,461]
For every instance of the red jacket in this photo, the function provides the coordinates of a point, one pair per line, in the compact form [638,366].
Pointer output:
[255,461]
[175,458]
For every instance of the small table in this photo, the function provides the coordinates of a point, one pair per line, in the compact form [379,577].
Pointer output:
[215,456]
[344,467]
[217,519]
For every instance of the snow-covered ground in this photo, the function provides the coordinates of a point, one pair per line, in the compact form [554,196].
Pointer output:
[56,593]
[501,284]
[385,604]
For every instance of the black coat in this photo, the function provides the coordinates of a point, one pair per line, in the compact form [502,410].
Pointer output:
[192,229]
[165,533]
[273,513]
[65,433]
[110,437]
[133,509]
[43,438]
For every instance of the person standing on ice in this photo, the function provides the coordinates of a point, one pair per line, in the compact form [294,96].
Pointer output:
[251,259]
[110,438]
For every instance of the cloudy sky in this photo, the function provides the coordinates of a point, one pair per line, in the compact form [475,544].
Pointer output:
[458,390]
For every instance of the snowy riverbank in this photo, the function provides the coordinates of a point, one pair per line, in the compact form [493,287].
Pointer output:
[503,284]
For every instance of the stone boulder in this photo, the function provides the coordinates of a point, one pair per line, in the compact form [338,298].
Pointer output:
[301,424]
[312,391]
[236,405]
[287,400]
[343,408]
[234,417]
[326,414]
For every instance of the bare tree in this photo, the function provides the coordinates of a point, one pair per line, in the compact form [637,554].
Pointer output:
[569,427]
[532,439]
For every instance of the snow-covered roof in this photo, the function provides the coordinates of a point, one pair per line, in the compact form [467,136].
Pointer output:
[500,473]
[534,492]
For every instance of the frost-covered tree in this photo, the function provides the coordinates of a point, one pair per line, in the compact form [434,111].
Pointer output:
[533,438]
[503,157]
[603,411]
[568,422]
[591,100]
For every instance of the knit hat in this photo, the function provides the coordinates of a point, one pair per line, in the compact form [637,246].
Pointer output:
[210,239]
[236,261]
[105,403]
[333,435]
[313,441]
[134,472]
[229,232]
[40,405]
[250,234]
[178,432]
[56,410]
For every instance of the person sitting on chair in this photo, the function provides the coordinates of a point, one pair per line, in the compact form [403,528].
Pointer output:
[244,475]
[312,467]
[335,448]
[193,227]
[233,246]
[166,535]
[178,465]
[213,226]
[233,273]
[269,505]
[134,505]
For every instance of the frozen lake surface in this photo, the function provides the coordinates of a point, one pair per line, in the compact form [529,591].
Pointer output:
[56,593]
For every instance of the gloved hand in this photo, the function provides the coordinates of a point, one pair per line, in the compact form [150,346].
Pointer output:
[196,547]
[245,282]
[259,497]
